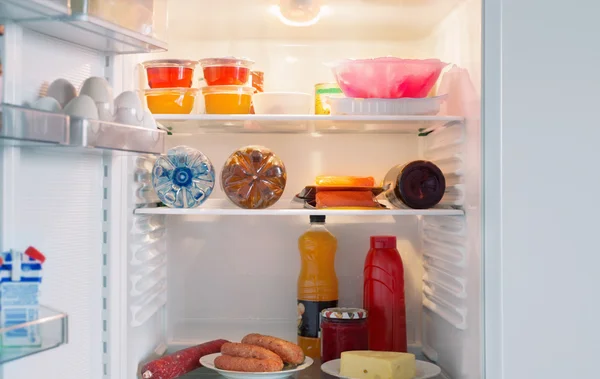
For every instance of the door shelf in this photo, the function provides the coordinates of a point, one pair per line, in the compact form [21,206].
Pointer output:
[55,20]
[304,124]
[21,126]
[52,327]
[222,207]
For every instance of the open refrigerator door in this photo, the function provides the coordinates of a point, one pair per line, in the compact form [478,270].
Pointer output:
[167,278]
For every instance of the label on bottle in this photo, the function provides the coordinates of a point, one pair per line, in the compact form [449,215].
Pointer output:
[309,316]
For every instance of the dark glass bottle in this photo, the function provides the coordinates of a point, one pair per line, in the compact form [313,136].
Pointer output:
[418,185]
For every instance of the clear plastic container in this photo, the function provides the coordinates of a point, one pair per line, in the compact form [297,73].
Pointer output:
[226,71]
[170,73]
[386,107]
[227,99]
[148,17]
[171,100]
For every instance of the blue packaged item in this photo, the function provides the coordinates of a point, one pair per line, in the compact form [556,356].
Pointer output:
[20,278]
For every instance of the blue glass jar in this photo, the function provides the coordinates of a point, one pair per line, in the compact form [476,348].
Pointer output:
[184,178]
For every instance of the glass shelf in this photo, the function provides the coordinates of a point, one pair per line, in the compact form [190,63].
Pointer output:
[53,19]
[22,126]
[52,327]
[222,207]
[304,124]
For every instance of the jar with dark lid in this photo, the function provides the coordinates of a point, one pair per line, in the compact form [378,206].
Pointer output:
[417,185]
[343,329]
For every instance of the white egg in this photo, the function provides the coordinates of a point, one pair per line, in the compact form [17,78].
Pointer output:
[49,104]
[129,109]
[62,91]
[82,106]
[99,90]
[149,121]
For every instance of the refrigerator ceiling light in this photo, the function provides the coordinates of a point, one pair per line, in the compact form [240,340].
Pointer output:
[299,12]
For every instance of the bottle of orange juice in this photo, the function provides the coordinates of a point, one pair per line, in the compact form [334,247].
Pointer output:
[317,283]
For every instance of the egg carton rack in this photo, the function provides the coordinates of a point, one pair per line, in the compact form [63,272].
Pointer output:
[23,126]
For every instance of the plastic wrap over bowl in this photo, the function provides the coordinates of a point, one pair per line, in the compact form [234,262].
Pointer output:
[387,78]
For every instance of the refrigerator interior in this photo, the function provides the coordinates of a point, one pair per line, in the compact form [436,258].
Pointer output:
[149,282]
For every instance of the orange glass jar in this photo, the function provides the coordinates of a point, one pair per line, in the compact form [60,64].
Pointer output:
[171,100]
[227,99]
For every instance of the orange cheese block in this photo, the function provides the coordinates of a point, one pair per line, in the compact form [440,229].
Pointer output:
[346,181]
[329,199]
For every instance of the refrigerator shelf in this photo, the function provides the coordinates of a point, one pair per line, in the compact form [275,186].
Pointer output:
[22,126]
[52,326]
[304,124]
[55,20]
[222,207]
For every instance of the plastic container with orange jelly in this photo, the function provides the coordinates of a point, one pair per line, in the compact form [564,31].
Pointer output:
[171,100]
[227,99]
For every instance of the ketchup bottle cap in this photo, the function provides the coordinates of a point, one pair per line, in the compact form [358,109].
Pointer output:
[383,242]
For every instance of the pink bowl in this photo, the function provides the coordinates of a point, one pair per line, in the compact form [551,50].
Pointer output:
[387,78]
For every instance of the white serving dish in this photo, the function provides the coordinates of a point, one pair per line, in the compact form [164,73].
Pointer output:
[386,107]
[282,103]
[208,361]
[424,369]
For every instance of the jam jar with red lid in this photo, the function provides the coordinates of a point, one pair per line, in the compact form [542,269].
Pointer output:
[343,329]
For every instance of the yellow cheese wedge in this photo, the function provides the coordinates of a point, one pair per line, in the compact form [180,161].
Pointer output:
[377,365]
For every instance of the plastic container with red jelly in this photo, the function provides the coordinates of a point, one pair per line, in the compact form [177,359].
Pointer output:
[226,71]
[343,329]
[170,73]
[383,295]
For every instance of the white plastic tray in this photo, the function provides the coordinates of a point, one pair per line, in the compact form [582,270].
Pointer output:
[386,107]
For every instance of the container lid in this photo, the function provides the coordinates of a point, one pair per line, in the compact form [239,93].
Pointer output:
[170,63]
[227,61]
[383,242]
[317,218]
[171,91]
[344,313]
[228,89]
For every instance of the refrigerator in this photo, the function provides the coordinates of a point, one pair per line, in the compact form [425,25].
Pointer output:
[500,278]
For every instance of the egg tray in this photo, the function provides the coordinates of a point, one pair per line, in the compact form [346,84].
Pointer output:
[26,124]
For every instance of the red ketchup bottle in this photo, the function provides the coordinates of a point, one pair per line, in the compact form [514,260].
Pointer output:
[384,296]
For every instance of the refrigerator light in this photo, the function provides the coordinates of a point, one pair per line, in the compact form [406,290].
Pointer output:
[293,13]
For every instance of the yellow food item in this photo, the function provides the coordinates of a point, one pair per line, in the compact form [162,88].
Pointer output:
[377,365]
[227,103]
[171,101]
[346,181]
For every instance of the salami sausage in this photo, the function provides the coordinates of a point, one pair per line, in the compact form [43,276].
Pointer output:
[180,362]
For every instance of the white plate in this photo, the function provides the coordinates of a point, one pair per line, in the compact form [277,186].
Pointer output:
[424,369]
[208,361]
